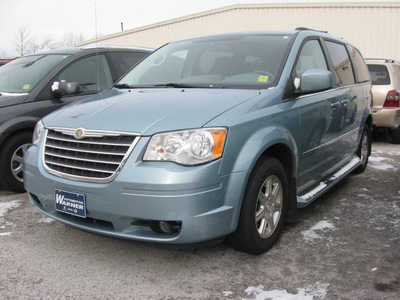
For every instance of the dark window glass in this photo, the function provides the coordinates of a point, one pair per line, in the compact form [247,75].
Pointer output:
[124,61]
[92,73]
[22,74]
[359,65]
[341,63]
[379,74]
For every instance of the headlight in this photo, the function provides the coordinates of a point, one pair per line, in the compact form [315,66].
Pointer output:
[187,147]
[37,132]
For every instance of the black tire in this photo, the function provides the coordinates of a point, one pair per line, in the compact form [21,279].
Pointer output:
[395,136]
[12,153]
[254,234]
[364,149]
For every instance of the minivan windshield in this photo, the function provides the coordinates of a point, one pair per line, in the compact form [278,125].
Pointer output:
[22,74]
[225,61]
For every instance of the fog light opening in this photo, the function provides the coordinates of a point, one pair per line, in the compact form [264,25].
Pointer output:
[165,227]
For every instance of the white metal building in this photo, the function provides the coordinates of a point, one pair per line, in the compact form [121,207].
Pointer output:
[373,27]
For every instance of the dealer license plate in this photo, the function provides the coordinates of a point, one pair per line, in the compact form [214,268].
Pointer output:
[70,203]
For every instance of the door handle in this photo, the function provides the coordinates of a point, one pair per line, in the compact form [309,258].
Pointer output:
[345,101]
[335,105]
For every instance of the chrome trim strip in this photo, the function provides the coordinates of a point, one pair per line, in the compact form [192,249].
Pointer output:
[331,141]
[80,168]
[81,159]
[85,151]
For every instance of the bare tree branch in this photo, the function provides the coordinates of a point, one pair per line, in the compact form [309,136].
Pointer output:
[70,38]
[45,44]
[22,41]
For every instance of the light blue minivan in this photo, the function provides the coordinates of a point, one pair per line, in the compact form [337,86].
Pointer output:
[216,136]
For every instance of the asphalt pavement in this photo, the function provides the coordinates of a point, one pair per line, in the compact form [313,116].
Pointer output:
[346,245]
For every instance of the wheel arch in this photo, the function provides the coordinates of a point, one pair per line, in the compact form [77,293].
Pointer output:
[284,154]
[14,126]
[276,142]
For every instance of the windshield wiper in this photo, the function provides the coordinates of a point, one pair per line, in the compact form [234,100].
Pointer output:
[122,86]
[175,85]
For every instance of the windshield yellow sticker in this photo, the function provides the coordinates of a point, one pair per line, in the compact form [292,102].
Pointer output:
[262,78]
[26,87]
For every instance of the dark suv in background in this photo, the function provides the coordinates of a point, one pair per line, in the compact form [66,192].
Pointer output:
[35,85]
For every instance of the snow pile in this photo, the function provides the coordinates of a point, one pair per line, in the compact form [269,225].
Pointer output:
[311,234]
[317,290]
[382,163]
[4,208]
[45,220]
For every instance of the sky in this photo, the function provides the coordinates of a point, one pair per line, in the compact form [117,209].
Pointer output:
[42,18]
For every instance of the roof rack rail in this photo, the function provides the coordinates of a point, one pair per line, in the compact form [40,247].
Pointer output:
[386,60]
[305,28]
[111,45]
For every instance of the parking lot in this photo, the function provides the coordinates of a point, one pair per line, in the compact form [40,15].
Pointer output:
[346,245]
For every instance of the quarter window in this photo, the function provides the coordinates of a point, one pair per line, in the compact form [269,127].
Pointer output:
[359,65]
[311,57]
[341,63]
[397,72]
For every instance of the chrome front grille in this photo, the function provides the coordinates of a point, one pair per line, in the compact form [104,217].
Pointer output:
[87,155]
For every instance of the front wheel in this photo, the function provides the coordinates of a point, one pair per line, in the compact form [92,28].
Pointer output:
[12,154]
[264,208]
[364,149]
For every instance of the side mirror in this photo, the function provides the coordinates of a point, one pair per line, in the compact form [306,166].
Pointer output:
[64,88]
[315,80]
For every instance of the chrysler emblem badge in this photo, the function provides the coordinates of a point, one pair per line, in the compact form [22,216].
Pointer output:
[79,134]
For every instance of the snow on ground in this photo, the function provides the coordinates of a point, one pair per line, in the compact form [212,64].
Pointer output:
[313,291]
[379,162]
[311,234]
[4,208]
[46,220]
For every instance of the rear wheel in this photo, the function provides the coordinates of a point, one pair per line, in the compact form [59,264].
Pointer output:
[12,154]
[364,149]
[264,208]
[395,136]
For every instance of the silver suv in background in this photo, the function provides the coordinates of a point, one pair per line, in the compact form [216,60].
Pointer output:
[385,76]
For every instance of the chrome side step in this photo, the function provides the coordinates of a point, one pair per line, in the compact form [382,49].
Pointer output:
[305,199]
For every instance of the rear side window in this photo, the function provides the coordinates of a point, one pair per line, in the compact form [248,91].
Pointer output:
[124,61]
[360,68]
[341,63]
[379,74]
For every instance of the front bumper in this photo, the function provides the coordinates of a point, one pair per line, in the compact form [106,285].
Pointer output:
[206,205]
[387,117]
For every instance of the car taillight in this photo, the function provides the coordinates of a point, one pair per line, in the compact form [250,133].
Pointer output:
[392,99]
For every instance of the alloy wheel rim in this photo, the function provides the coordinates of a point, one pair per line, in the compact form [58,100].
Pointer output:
[364,148]
[269,206]
[16,162]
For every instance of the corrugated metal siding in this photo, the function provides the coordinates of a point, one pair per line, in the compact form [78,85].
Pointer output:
[371,27]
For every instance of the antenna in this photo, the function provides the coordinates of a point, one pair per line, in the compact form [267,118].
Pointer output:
[97,54]
[95,21]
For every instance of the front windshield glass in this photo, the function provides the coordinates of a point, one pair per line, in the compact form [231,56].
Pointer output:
[22,74]
[232,61]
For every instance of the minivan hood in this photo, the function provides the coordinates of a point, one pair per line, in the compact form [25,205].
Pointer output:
[147,111]
[7,99]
